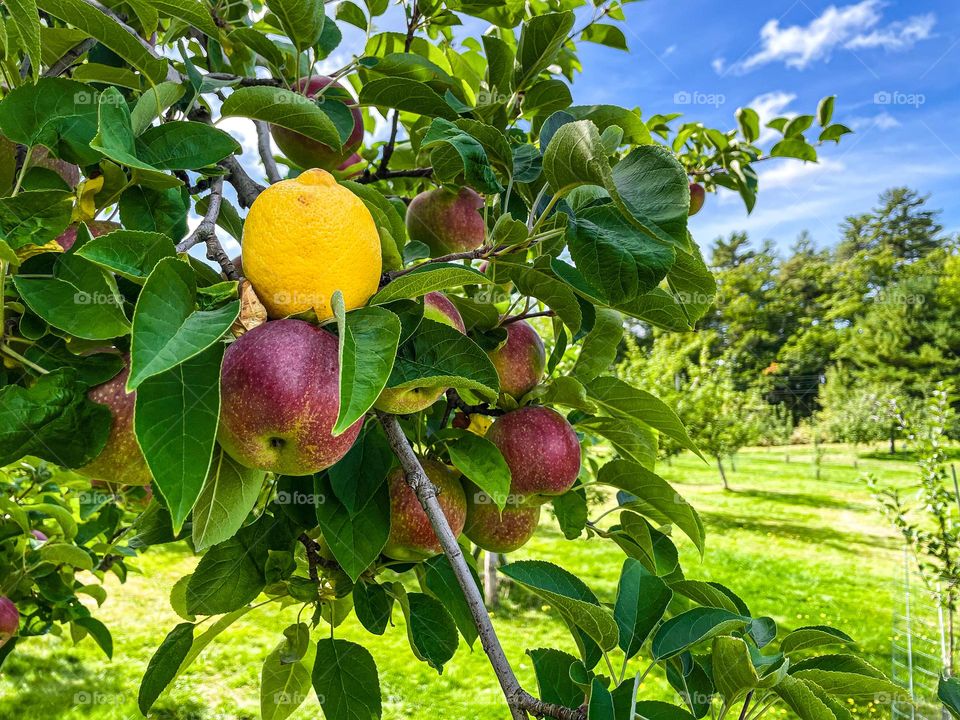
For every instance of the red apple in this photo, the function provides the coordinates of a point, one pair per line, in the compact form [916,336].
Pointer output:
[411,535]
[9,620]
[121,461]
[308,153]
[697,197]
[403,401]
[495,531]
[447,221]
[540,448]
[520,360]
[280,390]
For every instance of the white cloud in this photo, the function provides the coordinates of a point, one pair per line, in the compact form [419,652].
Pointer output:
[789,172]
[881,121]
[855,26]
[768,106]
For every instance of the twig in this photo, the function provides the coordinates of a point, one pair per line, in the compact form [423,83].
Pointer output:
[266,151]
[206,232]
[61,65]
[381,174]
[519,701]
[246,81]
[247,188]
[524,316]
[412,22]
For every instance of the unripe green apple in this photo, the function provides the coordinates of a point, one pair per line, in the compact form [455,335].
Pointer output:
[308,153]
[280,390]
[9,620]
[411,535]
[403,401]
[697,197]
[96,227]
[496,531]
[447,221]
[520,360]
[540,448]
[121,461]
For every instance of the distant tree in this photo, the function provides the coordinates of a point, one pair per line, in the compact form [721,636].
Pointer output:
[853,412]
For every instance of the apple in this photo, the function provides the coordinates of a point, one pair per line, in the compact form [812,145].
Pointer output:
[9,620]
[540,448]
[520,360]
[411,535]
[308,153]
[495,531]
[96,227]
[403,401]
[38,536]
[447,221]
[121,461]
[280,390]
[697,197]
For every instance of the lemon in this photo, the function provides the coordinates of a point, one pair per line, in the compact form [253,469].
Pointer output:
[306,238]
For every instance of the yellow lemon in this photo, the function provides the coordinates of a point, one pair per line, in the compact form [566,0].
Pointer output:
[306,238]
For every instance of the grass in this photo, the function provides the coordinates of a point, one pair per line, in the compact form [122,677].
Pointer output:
[802,550]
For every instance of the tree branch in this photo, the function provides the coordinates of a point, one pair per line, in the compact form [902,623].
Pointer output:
[266,151]
[206,232]
[524,316]
[247,81]
[247,188]
[412,22]
[61,65]
[519,701]
[381,174]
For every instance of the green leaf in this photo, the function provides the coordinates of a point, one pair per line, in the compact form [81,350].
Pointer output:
[176,418]
[659,710]
[62,553]
[353,508]
[115,137]
[473,164]
[540,282]
[554,684]
[167,329]
[442,357]
[154,102]
[163,211]
[657,499]
[302,20]
[184,145]
[575,602]
[99,632]
[834,132]
[285,108]
[346,681]
[105,29]
[259,43]
[604,34]
[27,21]
[34,217]
[482,463]
[615,257]
[408,95]
[631,440]
[805,638]
[368,347]
[749,122]
[621,400]
[129,253]
[948,691]
[81,299]
[710,594]
[410,66]
[283,685]
[540,40]
[52,419]
[794,147]
[572,512]
[846,676]
[799,697]
[194,14]
[564,390]
[600,706]
[546,97]
[427,279]
[691,627]
[642,599]
[441,581]
[228,495]
[164,664]
[635,131]
[733,671]
[430,628]
[575,156]
[500,59]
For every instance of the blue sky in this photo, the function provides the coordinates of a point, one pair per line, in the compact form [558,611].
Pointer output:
[894,67]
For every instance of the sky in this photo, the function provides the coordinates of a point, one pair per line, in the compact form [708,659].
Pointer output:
[894,67]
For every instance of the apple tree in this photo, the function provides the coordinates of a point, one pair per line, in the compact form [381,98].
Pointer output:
[343,449]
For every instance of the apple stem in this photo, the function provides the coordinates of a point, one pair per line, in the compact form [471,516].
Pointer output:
[520,702]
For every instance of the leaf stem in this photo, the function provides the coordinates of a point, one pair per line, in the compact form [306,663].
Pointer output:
[6,349]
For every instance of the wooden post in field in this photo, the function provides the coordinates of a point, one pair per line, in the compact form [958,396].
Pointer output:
[491,597]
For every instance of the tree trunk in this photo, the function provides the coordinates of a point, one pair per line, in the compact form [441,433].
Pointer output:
[733,463]
[723,475]
[490,594]
[893,438]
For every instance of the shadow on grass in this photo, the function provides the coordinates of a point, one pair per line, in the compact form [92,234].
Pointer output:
[51,685]
[813,501]
[907,455]
[848,542]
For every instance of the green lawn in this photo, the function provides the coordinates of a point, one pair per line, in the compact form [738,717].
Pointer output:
[802,550]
